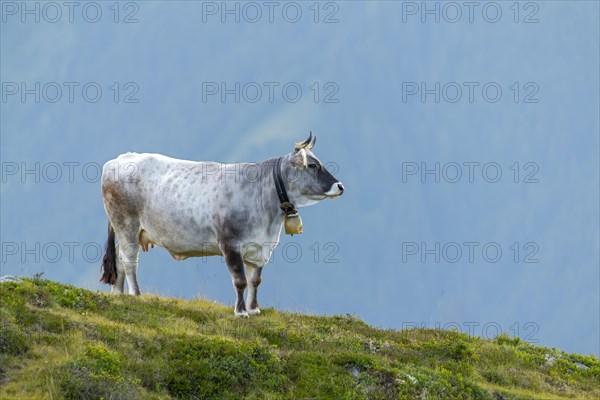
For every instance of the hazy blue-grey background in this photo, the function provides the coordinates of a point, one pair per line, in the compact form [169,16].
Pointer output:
[369,133]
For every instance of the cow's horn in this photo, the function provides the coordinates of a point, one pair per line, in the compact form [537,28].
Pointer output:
[312,142]
[307,144]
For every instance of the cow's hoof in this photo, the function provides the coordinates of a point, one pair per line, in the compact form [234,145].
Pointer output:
[253,311]
[241,314]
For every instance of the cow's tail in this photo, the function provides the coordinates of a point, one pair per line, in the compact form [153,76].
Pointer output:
[109,261]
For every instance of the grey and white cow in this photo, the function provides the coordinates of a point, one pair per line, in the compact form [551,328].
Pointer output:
[194,209]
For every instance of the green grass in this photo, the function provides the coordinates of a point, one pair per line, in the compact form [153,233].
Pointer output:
[62,342]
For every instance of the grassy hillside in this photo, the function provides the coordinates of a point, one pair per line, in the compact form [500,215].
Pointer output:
[59,341]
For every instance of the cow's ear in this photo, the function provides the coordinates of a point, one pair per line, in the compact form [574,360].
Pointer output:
[298,158]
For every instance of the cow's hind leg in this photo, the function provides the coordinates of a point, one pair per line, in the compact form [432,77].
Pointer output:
[238,277]
[254,279]
[128,259]
[119,286]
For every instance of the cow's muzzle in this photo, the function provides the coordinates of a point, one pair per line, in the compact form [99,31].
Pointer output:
[336,190]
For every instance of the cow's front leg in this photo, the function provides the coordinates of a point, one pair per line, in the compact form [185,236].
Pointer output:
[238,277]
[254,278]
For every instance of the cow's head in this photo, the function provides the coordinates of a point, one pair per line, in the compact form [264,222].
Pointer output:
[306,179]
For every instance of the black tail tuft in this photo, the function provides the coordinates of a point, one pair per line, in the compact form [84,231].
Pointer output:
[109,262]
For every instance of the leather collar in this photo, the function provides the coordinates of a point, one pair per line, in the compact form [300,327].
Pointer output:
[285,205]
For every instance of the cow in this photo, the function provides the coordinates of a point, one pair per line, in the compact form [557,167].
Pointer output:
[196,209]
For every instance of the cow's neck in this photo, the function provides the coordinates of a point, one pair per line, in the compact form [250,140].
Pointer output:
[270,200]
